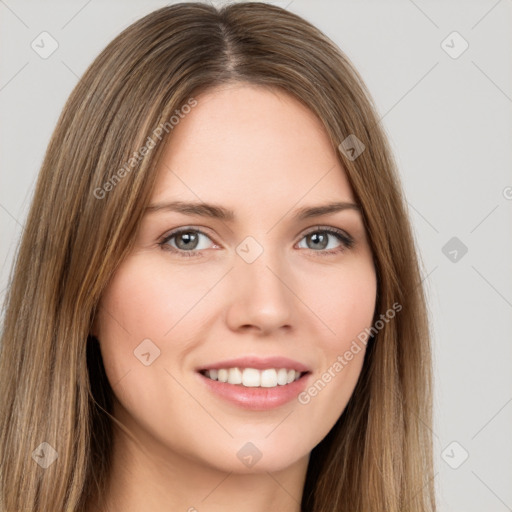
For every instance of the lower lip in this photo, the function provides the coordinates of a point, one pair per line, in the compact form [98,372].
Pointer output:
[257,399]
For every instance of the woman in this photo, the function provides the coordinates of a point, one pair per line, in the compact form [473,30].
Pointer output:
[216,303]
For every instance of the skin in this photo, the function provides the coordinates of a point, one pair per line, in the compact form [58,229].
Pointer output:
[261,153]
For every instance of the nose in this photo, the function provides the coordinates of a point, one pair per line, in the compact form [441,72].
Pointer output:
[261,296]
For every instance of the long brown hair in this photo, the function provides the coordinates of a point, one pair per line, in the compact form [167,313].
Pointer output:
[53,386]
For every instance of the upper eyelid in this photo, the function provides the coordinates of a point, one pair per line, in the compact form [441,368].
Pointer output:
[313,229]
[177,231]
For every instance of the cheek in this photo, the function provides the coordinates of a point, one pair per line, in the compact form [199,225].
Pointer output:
[146,300]
[346,303]
[133,309]
[346,307]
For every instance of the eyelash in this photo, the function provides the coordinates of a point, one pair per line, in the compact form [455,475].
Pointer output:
[347,241]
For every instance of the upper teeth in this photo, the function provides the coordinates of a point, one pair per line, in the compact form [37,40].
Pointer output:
[251,377]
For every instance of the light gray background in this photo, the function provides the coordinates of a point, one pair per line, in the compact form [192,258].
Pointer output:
[449,122]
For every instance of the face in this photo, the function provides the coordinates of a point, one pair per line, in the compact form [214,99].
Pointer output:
[257,289]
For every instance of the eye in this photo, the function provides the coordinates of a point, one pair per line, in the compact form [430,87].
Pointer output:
[190,242]
[327,241]
[186,241]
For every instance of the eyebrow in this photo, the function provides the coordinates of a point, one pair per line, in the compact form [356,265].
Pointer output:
[221,213]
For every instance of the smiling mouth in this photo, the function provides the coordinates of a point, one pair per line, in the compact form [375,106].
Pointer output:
[254,378]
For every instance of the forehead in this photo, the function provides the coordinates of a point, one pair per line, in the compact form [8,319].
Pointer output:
[244,141]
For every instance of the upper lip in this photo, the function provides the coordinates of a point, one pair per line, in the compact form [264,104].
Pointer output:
[259,363]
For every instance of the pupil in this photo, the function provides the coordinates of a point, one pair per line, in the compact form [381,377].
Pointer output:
[187,237]
[322,237]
